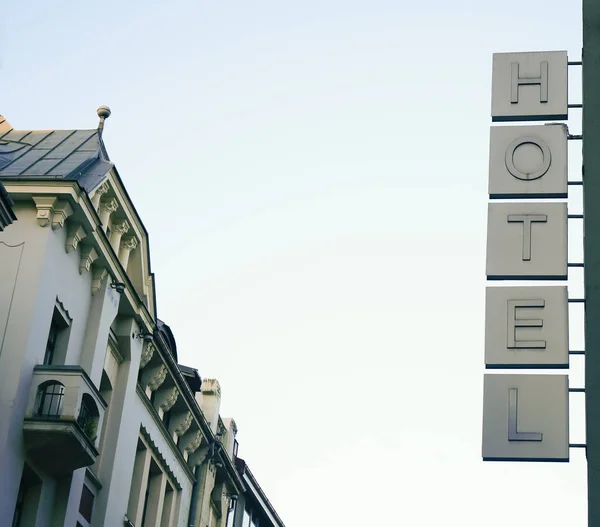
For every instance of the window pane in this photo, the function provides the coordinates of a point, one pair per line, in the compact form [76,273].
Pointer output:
[231,516]
[246,522]
[87,503]
[51,343]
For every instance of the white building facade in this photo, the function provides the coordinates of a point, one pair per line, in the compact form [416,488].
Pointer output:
[100,425]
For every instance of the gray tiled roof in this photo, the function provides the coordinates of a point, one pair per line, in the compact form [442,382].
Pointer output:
[7,216]
[53,154]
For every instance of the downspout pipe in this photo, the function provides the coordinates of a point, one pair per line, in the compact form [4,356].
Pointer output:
[195,495]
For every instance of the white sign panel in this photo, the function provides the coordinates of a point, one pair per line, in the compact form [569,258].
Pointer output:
[528,161]
[527,327]
[529,86]
[526,418]
[527,241]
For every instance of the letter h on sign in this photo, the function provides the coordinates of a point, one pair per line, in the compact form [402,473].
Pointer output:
[529,86]
[516,81]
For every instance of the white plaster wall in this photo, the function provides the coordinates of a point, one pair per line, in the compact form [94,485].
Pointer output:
[31,283]
[33,275]
[120,442]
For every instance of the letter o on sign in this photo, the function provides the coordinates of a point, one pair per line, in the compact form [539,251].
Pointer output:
[540,170]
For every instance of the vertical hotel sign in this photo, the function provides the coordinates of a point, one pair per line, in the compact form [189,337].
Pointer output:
[526,416]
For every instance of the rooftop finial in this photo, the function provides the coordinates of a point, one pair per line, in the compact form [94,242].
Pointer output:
[104,113]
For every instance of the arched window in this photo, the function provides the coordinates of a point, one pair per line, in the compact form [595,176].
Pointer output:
[49,399]
[88,417]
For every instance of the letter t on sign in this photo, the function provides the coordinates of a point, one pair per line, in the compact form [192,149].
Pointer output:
[527,220]
[514,322]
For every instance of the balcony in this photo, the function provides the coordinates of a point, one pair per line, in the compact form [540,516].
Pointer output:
[63,419]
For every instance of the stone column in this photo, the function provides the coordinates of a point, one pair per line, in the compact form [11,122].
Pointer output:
[156,498]
[117,230]
[169,507]
[100,191]
[139,484]
[105,209]
[128,244]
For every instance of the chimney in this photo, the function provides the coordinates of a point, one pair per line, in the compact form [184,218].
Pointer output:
[209,400]
[229,439]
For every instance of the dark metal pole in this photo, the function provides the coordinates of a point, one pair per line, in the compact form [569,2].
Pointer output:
[591,204]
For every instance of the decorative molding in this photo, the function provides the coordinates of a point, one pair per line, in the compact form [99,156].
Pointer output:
[157,378]
[62,210]
[194,443]
[147,353]
[117,230]
[88,257]
[100,191]
[120,227]
[105,209]
[64,313]
[145,433]
[75,233]
[98,275]
[198,457]
[168,402]
[185,424]
[129,243]
[108,205]
[45,209]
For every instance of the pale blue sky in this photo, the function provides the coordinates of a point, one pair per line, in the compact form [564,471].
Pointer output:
[313,176]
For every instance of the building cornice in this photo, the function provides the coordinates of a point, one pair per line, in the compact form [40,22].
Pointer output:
[186,393]
[71,190]
[165,433]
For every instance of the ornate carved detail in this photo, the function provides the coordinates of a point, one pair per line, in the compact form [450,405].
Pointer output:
[100,191]
[147,353]
[120,227]
[45,209]
[88,256]
[98,275]
[185,424]
[105,209]
[194,443]
[157,378]
[129,243]
[62,310]
[169,400]
[117,229]
[75,233]
[108,205]
[62,210]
